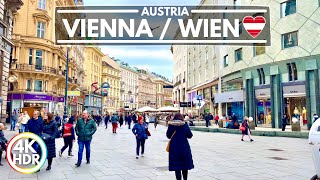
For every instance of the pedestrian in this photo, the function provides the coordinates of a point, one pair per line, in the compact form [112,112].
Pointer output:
[284,122]
[245,129]
[106,119]
[140,131]
[121,119]
[14,120]
[35,125]
[50,128]
[114,121]
[19,122]
[207,119]
[24,120]
[57,118]
[85,129]
[134,117]
[217,119]
[147,119]
[180,156]
[128,120]
[98,119]
[156,121]
[3,142]
[68,137]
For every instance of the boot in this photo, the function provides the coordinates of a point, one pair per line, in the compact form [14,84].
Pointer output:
[48,168]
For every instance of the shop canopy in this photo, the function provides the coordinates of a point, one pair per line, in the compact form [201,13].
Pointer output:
[146,109]
[168,109]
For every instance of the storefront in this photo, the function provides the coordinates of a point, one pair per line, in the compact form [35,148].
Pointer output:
[263,104]
[32,102]
[93,103]
[295,102]
[232,103]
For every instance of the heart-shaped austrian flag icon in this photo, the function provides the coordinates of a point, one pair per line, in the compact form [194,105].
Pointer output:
[254,26]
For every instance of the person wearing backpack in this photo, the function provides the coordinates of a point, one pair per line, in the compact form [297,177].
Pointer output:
[114,121]
[180,156]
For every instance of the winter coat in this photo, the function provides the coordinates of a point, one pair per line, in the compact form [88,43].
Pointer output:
[180,157]
[107,119]
[85,130]
[128,119]
[24,119]
[35,126]
[52,130]
[284,120]
[140,130]
[114,119]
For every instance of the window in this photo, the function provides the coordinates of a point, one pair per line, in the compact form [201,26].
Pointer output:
[30,56]
[40,29]
[259,49]
[238,55]
[29,84]
[226,61]
[261,76]
[207,57]
[42,4]
[39,59]
[292,71]
[37,85]
[288,7]
[290,40]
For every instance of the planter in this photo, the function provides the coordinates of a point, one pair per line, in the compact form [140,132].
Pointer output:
[296,127]
[220,124]
[252,125]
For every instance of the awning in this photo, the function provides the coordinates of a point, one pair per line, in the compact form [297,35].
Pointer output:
[227,97]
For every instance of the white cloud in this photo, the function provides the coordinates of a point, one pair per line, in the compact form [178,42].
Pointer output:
[118,51]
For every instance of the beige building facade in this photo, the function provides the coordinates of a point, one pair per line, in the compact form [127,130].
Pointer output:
[147,90]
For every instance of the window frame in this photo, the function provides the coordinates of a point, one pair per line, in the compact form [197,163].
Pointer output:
[283,4]
[255,50]
[29,82]
[283,39]
[41,30]
[42,4]
[236,56]
[39,57]
[226,60]
[34,88]
[292,72]
[30,56]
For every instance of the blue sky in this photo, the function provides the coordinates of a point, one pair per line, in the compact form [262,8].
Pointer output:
[157,58]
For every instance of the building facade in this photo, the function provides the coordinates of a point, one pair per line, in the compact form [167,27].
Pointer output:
[111,74]
[7,11]
[37,73]
[163,93]
[146,90]
[93,72]
[129,85]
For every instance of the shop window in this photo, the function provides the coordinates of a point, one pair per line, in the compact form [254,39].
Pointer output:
[226,61]
[288,7]
[42,4]
[29,84]
[30,56]
[290,40]
[292,71]
[262,79]
[259,49]
[238,55]
[40,29]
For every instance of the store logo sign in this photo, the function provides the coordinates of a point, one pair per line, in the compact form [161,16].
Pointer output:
[22,153]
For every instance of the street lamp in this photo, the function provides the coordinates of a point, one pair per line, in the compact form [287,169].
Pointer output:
[65,113]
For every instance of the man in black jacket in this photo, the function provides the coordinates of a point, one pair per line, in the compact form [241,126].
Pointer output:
[3,142]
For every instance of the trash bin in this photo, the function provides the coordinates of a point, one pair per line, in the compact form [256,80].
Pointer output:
[314,141]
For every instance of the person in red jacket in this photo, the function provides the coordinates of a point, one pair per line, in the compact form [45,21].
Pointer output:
[68,137]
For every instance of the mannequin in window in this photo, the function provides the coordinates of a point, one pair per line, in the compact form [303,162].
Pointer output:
[296,113]
[304,115]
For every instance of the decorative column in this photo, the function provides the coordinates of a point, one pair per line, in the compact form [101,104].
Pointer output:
[250,99]
[276,97]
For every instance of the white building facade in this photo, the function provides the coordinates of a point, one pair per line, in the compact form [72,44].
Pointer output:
[129,86]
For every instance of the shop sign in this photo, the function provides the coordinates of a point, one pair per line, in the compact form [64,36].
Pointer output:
[297,90]
[262,93]
[185,104]
[37,97]
[232,96]
[73,93]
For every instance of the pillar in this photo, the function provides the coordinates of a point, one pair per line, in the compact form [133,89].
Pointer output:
[276,97]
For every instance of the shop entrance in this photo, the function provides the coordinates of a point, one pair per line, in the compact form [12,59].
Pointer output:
[296,107]
[264,112]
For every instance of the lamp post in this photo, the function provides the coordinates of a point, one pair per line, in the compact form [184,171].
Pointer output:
[65,113]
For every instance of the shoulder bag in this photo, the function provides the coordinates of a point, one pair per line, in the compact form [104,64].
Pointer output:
[168,146]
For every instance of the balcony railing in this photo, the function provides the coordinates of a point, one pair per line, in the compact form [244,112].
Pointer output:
[38,68]
[177,83]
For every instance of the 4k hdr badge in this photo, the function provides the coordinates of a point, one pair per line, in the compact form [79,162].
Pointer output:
[254,26]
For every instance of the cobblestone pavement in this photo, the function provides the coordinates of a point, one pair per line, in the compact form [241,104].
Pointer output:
[216,156]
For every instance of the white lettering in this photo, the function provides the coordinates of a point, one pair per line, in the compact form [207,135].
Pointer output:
[112,31]
[26,158]
[35,158]
[129,30]
[92,28]
[17,157]
[145,11]
[144,28]
[234,30]
[70,31]
[190,26]
[215,28]
[28,146]
[19,147]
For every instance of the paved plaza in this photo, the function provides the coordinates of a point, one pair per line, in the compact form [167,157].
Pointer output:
[216,156]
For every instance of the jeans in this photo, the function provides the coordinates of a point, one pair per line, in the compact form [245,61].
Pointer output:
[23,128]
[81,147]
[106,123]
[129,124]
[140,142]
[207,123]
[68,141]
[284,127]
[13,125]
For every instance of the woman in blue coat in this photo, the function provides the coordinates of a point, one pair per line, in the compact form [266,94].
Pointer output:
[180,157]
[50,131]
[139,130]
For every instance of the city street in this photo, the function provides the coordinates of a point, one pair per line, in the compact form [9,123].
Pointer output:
[216,156]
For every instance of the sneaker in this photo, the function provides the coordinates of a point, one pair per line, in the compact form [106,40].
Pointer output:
[242,140]
[251,140]
[137,157]
[60,153]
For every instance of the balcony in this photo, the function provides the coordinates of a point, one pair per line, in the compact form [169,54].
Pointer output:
[36,68]
[177,83]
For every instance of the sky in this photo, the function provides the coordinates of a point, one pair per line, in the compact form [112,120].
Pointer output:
[156,58]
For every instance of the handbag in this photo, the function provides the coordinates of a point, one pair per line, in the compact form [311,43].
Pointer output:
[148,132]
[242,128]
[168,145]
[45,136]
